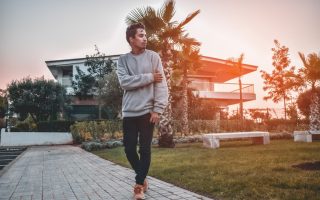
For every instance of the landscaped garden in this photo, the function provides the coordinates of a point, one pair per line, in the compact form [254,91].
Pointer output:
[282,169]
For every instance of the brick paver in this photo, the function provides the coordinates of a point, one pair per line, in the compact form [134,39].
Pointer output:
[70,173]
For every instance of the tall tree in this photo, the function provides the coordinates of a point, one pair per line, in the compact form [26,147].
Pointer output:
[237,64]
[42,99]
[282,80]
[163,37]
[91,84]
[3,103]
[188,59]
[310,76]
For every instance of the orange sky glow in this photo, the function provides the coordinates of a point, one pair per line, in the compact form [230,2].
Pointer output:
[34,31]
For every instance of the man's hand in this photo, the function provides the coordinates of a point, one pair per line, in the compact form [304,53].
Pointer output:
[157,76]
[154,117]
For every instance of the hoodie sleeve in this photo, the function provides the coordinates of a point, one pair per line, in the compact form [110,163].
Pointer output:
[160,88]
[132,82]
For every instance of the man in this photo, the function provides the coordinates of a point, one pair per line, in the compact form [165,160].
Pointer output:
[140,74]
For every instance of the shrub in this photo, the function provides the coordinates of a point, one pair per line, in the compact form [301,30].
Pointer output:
[25,126]
[95,145]
[281,125]
[91,146]
[195,126]
[96,130]
[54,126]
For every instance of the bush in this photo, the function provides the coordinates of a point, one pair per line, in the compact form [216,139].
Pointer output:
[96,130]
[281,125]
[95,145]
[54,126]
[188,139]
[195,126]
[92,146]
[234,125]
[25,126]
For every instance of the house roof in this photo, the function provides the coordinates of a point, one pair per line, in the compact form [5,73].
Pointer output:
[218,70]
[63,62]
[214,69]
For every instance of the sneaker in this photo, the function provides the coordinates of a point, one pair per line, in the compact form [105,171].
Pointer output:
[145,185]
[138,192]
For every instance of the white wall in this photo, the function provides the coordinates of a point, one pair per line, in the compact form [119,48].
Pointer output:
[34,138]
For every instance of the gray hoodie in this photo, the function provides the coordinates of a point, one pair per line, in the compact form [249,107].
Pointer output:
[141,94]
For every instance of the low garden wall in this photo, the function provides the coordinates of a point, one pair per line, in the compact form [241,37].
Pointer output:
[34,138]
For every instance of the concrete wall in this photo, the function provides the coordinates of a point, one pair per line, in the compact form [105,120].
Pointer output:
[34,138]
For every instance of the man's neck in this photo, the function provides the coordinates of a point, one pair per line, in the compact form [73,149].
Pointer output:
[137,51]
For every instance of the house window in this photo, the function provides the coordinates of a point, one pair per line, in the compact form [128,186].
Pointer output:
[67,72]
[66,79]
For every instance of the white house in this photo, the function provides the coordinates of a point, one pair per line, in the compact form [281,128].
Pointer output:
[209,82]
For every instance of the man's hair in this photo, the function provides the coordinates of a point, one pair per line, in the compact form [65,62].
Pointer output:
[132,30]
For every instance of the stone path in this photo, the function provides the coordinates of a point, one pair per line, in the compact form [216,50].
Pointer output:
[70,173]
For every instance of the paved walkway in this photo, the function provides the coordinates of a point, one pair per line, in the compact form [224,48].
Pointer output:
[70,173]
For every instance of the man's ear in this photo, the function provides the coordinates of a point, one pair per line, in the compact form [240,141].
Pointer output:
[130,40]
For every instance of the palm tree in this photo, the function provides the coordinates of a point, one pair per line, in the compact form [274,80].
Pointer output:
[188,60]
[237,63]
[310,76]
[163,37]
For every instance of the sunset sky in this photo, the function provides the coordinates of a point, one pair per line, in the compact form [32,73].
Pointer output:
[33,31]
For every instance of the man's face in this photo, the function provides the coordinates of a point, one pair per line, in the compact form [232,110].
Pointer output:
[140,39]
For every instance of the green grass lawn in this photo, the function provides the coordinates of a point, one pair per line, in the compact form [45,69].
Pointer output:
[237,170]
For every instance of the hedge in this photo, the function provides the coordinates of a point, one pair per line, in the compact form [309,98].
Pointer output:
[55,126]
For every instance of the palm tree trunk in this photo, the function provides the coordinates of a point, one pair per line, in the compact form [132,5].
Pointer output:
[165,124]
[100,111]
[99,104]
[241,105]
[285,107]
[185,124]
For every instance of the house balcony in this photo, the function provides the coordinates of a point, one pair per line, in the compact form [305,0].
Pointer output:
[223,94]
[65,81]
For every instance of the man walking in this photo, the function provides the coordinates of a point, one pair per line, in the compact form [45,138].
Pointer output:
[140,74]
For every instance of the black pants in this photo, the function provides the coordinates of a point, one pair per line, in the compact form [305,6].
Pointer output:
[134,128]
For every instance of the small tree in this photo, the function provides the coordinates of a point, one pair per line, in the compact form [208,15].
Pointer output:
[112,93]
[304,101]
[310,76]
[42,99]
[92,83]
[258,115]
[282,80]
[293,112]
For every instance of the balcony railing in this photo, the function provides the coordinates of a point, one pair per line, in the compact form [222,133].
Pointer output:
[65,81]
[221,87]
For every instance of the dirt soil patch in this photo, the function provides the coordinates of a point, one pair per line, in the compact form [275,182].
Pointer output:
[308,165]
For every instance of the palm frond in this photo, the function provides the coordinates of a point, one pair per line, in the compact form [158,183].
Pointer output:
[136,15]
[167,11]
[188,19]
[146,16]
[172,33]
[186,40]
[303,59]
